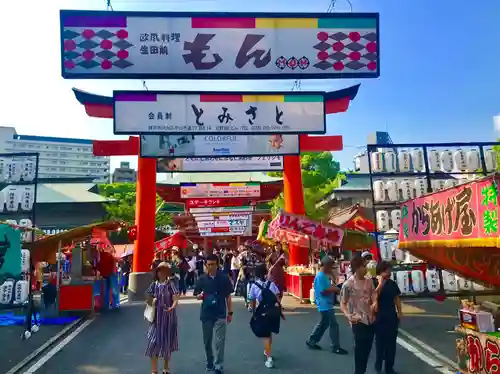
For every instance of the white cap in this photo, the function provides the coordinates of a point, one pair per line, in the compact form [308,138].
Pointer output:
[366,254]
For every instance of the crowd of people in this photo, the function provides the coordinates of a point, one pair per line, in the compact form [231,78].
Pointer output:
[371,305]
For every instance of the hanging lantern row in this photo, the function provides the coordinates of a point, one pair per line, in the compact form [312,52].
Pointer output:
[439,161]
[17,170]
[387,221]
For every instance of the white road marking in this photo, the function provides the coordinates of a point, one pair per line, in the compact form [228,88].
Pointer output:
[46,357]
[424,357]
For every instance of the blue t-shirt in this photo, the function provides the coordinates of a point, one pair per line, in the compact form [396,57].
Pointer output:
[321,284]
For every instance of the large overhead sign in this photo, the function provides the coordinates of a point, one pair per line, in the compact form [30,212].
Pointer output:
[187,45]
[203,190]
[212,203]
[226,217]
[220,223]
[226,231]
[221,210]
[218,145]
[221,164]
[149,112]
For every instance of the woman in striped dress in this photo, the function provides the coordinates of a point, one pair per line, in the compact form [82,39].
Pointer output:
[162,333]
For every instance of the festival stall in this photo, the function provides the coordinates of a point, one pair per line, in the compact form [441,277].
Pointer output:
[457,229]
[316,236]
[91,259]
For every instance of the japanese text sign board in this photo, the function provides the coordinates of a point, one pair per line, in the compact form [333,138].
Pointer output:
[142,112]
[205,203]
[478,353]
[170,45]
[226,217]
[222,164]
[316,231]
[204,190]
[218,145]
[228,223]
[465,214]
[221,210]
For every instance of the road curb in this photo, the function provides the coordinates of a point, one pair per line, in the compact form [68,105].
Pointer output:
[33,356]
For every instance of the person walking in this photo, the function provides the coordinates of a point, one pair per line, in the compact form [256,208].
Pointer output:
[183,267]
[266,308]
[214,289]
[276,274]
[162,335]
[235,267]
[356,300]
[388,312]
[324,292]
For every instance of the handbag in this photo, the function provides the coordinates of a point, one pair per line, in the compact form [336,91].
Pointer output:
[150,310]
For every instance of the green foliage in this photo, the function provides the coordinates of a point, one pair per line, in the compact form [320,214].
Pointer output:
[320,176]
[123,208]
[496,149]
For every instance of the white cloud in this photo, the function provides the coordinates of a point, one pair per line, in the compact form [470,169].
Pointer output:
[496,123]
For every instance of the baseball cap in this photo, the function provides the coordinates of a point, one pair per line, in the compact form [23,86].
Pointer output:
[327,260]
[366,254]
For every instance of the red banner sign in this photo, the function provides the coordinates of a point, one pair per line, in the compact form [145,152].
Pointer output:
[208,203]
[316,231]
[464,213]
[478,353]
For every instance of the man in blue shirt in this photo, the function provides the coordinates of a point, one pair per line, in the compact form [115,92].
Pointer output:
[324,292]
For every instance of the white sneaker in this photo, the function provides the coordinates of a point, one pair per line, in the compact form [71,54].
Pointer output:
[269,362]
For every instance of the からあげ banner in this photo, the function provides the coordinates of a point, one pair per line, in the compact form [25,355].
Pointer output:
[187,45]
[218,145]
[463,216]
[228,164]
[143,112]
[477,353]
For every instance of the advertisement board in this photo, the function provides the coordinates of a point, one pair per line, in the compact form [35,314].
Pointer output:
[223,223]
[217,190]
[221,210]
[206,203]
[194,45]
[220,164]
[225,217]
[218,145]
[158,112]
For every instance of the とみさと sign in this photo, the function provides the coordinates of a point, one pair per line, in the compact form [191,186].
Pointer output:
[466,214]
[203,165]
[203,190]
[141,112]
[218,145]
[188,45]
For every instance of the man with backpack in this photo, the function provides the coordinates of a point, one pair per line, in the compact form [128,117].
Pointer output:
[267,312]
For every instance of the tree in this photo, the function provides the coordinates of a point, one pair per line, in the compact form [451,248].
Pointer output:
[496,149]
[320,176]
[123,206]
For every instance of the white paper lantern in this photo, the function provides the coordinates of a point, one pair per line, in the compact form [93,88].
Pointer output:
[6,292]
[377,162]
[437,184]
[460,159]
[392,190]
[12,198]
[434,160]
[21,292]
[417,157]
[449,281]
[407,190]
[404,161]
[432,280]
[2,200]
[403,281]
[379,191]
[396,219]
[464,284]
[25,260]
[399,254]
[473,160]
[420,187]
[27,197]
[385,250]
[447,160]
[382,220]
[417,281]
[449,183]
[3,170]
[15,171]
[390,161]
[490,159]
[28,173]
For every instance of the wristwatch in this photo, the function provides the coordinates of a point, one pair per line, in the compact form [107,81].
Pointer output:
[230,313]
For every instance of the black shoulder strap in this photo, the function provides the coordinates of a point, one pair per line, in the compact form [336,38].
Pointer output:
[268,285]
[258,285]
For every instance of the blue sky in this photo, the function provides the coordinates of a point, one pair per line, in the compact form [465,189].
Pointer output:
[440,70]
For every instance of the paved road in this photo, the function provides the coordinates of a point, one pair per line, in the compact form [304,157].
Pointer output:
[114,343]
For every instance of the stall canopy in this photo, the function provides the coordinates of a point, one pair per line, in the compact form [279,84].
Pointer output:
[456,229]
[305,232]
[177,240]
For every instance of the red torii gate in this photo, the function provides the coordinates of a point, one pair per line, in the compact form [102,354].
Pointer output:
[102,107]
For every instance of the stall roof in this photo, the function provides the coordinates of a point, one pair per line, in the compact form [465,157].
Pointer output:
[219,178]
[49,193]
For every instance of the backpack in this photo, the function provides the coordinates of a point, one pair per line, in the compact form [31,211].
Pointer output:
[268,307]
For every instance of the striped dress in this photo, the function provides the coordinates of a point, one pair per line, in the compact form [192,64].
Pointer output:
[162,333]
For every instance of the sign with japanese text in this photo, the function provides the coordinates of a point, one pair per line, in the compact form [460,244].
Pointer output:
[188,45]
[464,214]
[223,223]
[206,203]
[316,231]
[218,145]
[478,353]
[141,112]
[221,210]
[222,164]
[226,217]
[226,231]
[205,190]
